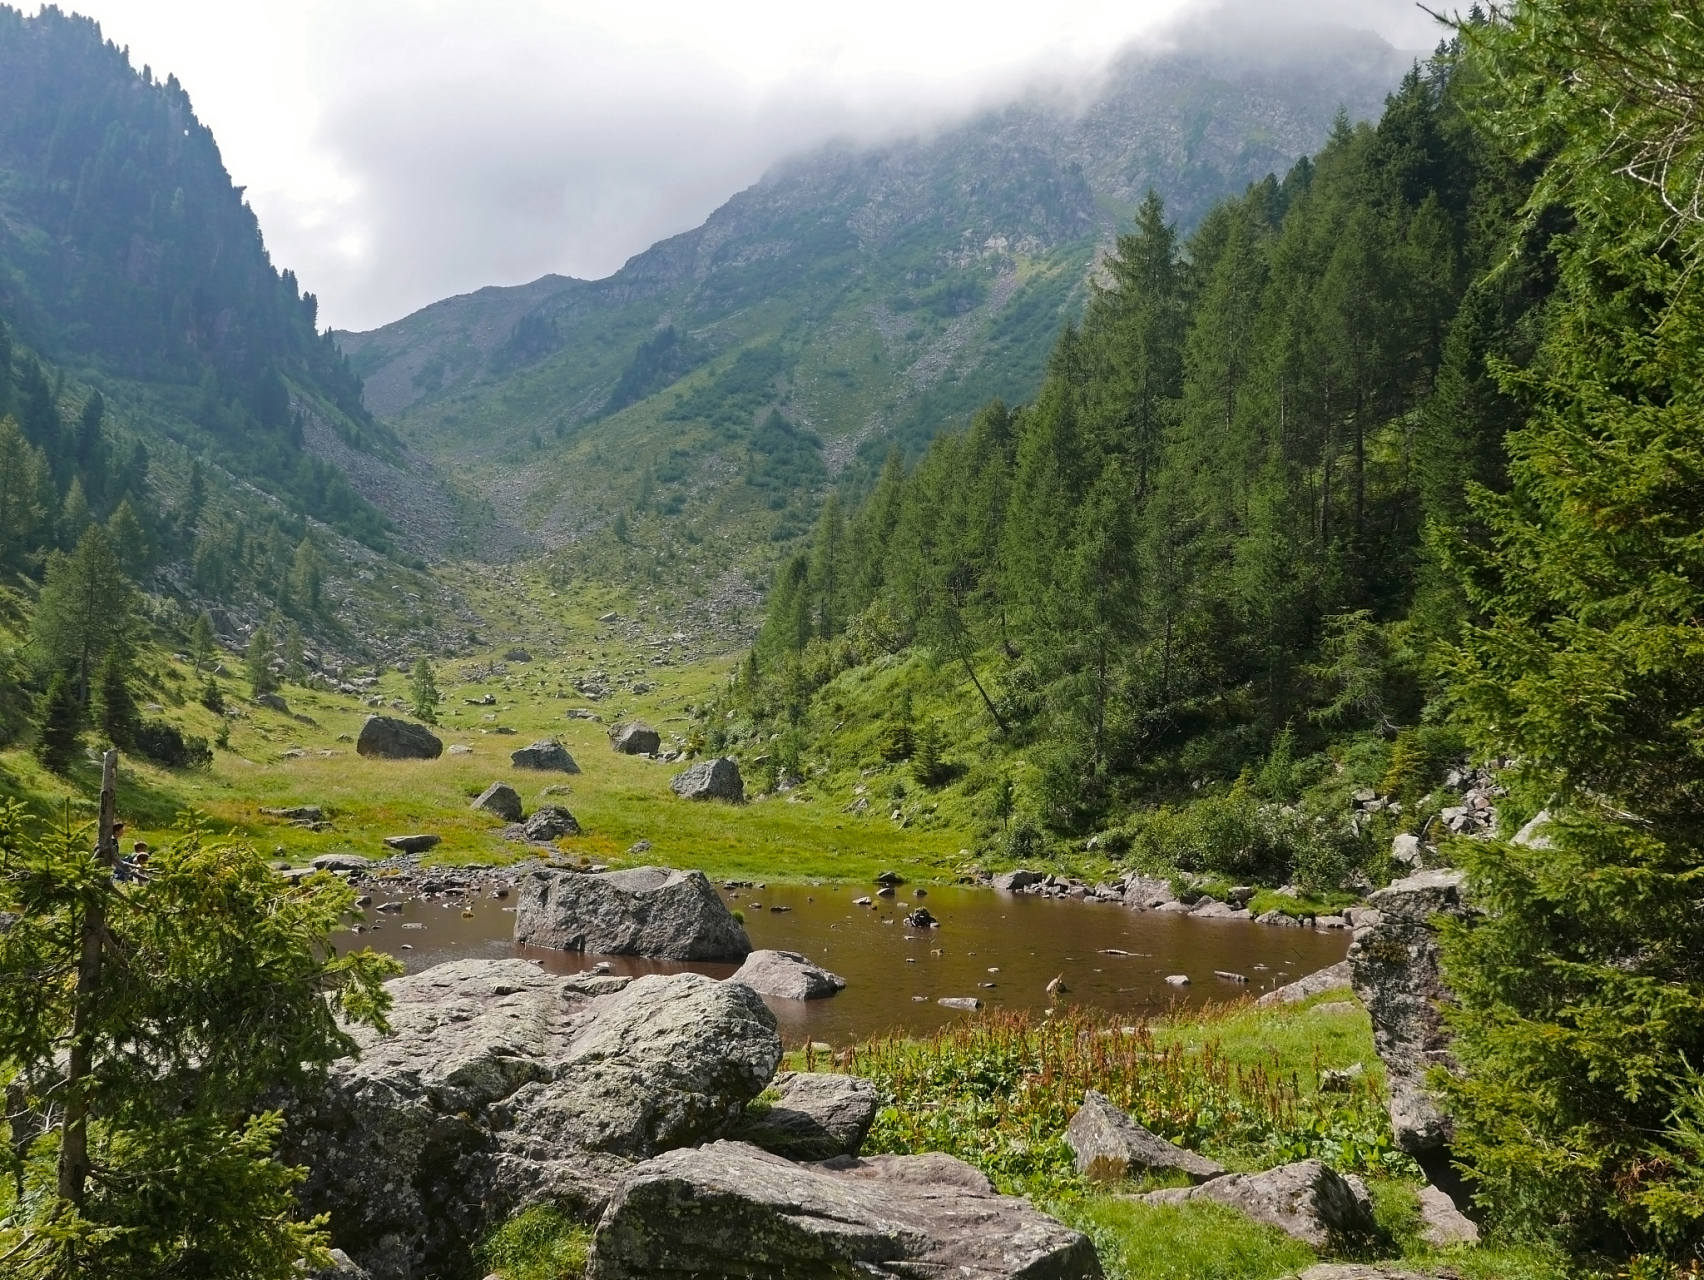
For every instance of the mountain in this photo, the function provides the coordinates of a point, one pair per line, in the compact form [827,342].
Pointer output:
[153,358]
[852,300]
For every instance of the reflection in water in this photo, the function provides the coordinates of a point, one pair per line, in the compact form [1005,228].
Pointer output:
[1002,949]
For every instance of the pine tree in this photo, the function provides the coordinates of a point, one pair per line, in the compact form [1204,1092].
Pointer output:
[86,607]
[201,641]
[257,664]
[295,664]
[423,690]
[129,540]
[59,723]
[116,713]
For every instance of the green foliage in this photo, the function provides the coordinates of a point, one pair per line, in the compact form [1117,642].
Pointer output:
[423,692]
[59,723]
[257,663]
[85,610]
[116,715]
[1581,984]
[1187,1241]
[217,987]
[540,1243]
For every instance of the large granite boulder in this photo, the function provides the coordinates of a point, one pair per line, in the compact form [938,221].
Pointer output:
[813,1115]
[548,822]
[549,756]
[392,739]
[1305,988]
[1395,969]
[645,911]
[787,975]
[1110,1145]
[1017,881]
[635,739]
[1308,1200]
[501,801]
[710,780]
[503,1086]
[730,1210]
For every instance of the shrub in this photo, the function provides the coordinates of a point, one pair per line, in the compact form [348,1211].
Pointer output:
[166,744]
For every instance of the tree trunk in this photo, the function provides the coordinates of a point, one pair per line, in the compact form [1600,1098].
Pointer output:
[74,1143]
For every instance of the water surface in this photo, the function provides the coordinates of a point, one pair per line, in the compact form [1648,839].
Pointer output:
[999,948]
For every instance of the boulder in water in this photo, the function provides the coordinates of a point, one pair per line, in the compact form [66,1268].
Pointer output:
[787,975]
[645,911]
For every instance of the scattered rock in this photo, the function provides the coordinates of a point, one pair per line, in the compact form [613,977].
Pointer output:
[787,975]
[549,822]
[639,846]
[1395,968]
[710,780]
[1316,983]
[646,911]
[341,862]
[296,813]
[501,800]
[731,1210]
[504,1085]
[273,700]
[391,739]
[1177,979]
[517,655]
[342,1268]
[548,755]
[635,739]
[1308,1200]
[1441,1223]
[1014,881]
[413,844]
[461,749]
[1110,1145]
[815,1116]
[959,1002]
[611,616]
[921,919]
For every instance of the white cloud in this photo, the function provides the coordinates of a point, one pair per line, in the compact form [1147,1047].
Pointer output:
[398,151]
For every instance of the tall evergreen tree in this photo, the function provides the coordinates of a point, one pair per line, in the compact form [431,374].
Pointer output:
[86,607]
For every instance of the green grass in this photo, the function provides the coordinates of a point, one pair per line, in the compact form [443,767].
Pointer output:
[1196,1241]
[540,1243]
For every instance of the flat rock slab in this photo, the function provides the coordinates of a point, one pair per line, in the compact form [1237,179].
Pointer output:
[1110,1145]
[1308,1200]
[645,911]
[500,800]
[814,1116]
[413,844]
[787,975]
[1316,983]
[296,813]
[710,780]
[548,756]
[730,1210]
[341,862]
[503,1085]
[392,739]
[635,739]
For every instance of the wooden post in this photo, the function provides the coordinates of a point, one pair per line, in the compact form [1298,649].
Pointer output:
[74,1142]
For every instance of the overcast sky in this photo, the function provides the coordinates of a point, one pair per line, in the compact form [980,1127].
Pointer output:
[399,151]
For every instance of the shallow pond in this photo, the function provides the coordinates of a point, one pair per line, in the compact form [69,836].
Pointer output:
[999,948]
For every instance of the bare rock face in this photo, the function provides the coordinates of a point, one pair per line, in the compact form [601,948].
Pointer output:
[391,739]
[500,800]
[1394,965]
[1308,1200]
[815,1116]
[504,1085]
[710,780]
[1110,1145]
[645,911]
[548,756]
[787,975]
[730,1210]
[635,739]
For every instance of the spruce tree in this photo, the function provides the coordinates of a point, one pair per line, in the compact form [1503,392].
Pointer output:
[423,691]
[59,723]
[295,665]
[116,714]
[257,663]
[1580,1028]
[85,608]
[201,641]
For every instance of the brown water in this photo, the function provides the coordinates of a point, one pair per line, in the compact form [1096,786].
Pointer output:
[999,948]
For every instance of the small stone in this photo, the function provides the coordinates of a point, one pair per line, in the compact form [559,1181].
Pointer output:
[1177,979]
[461,749]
